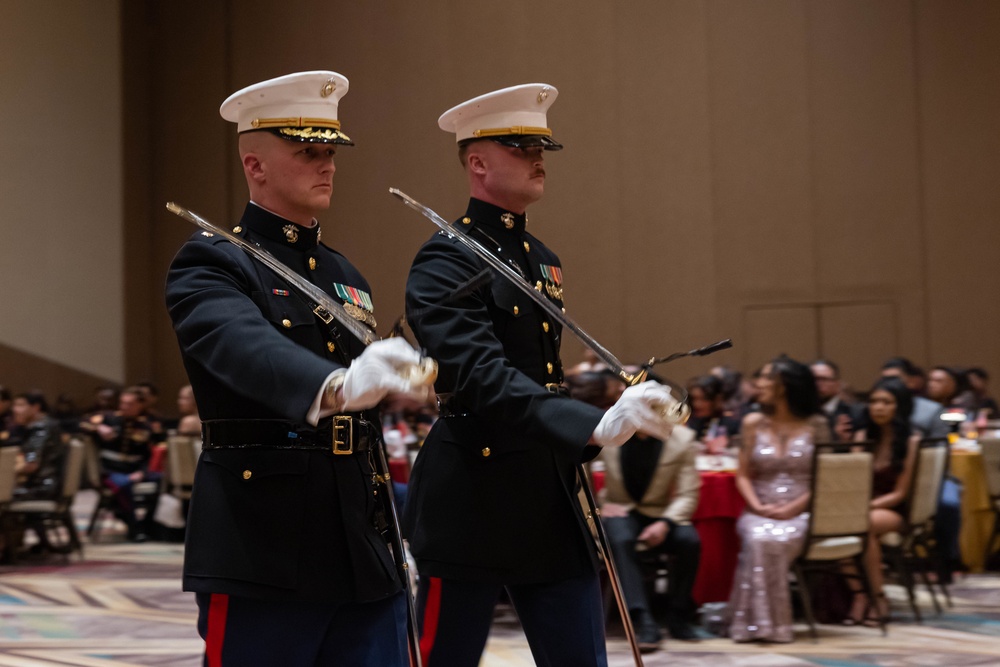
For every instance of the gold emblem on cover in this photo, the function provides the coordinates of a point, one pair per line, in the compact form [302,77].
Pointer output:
[359,314]
[291,233]
[508,220]
[543,94]
[325,134]
[328,88]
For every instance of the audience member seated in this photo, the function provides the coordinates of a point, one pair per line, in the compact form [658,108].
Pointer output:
[5,402]
[125,439]
[189,423]
[926,417]
[650,493]
[774,478]
[150,399]
[986,408]
[105,403]
[837,410]
[886,422]
[947,385]
[711,426]
[737,392]
[65,413]
[40,462]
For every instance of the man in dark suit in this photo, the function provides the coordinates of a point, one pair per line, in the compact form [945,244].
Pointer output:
[493,493]
[837,411]
[286,550]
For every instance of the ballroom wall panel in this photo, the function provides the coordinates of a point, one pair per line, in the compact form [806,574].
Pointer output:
[724,159]
[62,318]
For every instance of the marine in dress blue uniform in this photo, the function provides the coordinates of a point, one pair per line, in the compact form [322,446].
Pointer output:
[286,548]
[493,502]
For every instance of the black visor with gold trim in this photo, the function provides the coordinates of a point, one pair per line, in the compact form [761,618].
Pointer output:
[311,135]
[528,141]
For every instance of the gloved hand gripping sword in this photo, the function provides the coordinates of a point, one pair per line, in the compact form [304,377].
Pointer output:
[327,309]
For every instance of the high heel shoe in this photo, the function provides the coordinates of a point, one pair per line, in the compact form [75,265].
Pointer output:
[863,612]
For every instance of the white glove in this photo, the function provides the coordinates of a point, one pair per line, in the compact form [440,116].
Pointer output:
[635,410]
[381,369]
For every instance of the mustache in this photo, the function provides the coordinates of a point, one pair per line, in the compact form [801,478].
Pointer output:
[538,172]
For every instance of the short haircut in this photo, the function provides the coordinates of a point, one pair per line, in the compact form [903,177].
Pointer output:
[904,365]
[35,398]
[830,364]
[710,385]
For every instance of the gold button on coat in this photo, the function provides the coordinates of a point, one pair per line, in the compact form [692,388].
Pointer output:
[312,263]
[466,221]
[545,327]
[486,451]
[515,310]
[330,346]
[527,248]
[237,229]
[247,474]
[548,367]
[286,323]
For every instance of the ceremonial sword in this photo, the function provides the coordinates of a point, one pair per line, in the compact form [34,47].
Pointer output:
[676,413]
[327,310]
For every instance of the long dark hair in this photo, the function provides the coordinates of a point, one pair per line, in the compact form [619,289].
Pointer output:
[800,386]
[900,424]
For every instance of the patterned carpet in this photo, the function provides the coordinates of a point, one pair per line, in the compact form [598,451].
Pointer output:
[122,606]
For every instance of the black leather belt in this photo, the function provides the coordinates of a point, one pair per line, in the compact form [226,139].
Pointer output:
[340,434]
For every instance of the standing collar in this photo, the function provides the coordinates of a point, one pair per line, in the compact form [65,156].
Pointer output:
[272,226]
[496,217]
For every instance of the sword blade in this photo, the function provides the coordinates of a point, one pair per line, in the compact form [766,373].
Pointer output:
[554,311]
[318,296]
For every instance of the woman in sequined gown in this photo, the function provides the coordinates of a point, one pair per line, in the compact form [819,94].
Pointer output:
[774,478]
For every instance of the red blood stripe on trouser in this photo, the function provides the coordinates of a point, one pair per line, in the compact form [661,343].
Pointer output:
[432,612]
[218,610]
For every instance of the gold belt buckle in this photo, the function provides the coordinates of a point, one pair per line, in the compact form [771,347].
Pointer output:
[341,445]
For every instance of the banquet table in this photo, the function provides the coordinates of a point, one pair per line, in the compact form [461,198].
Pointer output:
[719,506]
[399,470]
[977,514]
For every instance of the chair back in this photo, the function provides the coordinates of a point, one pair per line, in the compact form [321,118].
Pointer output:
[73,467]
[181,461]
[928,476]
[842,491]
[8,474]
[92,461]
[991,462]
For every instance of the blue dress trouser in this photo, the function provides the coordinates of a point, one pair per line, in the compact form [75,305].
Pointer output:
[242,632]
[563,621]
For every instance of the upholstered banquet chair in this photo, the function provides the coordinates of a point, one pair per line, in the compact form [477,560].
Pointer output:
[913,550]
[838,520]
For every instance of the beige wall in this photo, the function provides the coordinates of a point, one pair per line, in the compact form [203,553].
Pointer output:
[809,176]
[61,193]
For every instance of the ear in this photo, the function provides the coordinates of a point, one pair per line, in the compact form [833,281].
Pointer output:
[476,164]
[254,167]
